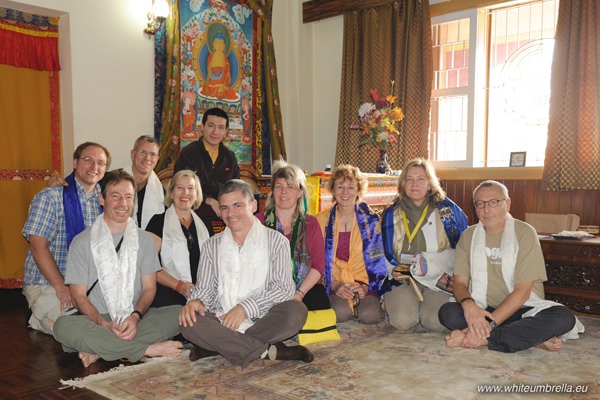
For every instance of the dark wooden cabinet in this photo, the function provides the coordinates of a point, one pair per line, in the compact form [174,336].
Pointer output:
[573,269]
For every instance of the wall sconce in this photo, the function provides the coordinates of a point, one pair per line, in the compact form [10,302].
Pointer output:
[156,17]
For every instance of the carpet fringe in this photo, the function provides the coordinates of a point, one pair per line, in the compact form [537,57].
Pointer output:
[82,382]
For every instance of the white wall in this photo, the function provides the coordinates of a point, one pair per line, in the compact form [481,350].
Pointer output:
[309,59]
[107,77]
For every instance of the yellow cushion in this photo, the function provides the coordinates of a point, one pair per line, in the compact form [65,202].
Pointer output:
[319,327]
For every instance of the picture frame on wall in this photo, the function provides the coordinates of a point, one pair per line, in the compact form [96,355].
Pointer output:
[517,158]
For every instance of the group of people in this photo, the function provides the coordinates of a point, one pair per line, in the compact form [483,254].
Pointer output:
[117,267]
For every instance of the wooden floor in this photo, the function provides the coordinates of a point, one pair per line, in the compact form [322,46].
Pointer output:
[32,363]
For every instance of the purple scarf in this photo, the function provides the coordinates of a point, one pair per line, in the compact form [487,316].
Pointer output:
[373,255]
[74,223]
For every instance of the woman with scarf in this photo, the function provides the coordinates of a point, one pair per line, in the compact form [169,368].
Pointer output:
[178,235]
[421,220]
[354,260]
[285,211]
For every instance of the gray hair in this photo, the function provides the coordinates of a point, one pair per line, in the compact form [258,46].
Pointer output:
[237,185]
[492,183]
[145,138]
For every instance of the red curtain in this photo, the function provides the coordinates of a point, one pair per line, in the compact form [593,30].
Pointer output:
[28,40]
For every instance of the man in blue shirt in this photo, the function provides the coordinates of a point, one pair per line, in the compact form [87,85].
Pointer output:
[56,215]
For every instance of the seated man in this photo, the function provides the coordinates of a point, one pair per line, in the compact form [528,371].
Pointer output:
[498,284]
[150,192]
[211,160]
[111,270]
[56,216]
[242,305]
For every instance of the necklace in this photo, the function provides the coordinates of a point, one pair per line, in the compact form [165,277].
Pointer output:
[185,220]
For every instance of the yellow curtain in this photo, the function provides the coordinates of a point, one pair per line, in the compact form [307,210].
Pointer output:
[26,158]
[573,148]
[381,44]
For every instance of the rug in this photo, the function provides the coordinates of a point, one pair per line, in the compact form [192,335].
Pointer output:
[370,362]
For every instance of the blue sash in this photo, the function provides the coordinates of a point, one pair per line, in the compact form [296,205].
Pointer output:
[453,218]
[373,255]
[74,222]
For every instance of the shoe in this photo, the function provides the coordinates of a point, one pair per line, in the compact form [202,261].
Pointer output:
[279,351]
[198,352]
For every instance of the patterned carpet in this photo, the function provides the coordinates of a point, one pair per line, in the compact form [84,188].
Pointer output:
[370,362]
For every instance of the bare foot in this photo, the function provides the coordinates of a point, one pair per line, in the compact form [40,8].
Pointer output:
[455,338]
[88,359]
[170,348]
[554,344]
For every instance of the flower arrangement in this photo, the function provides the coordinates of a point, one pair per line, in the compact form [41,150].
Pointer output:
[378,120]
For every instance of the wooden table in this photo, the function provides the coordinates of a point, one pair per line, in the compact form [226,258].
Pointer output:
[573,269]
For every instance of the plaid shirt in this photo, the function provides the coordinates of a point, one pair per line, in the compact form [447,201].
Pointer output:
[47,219]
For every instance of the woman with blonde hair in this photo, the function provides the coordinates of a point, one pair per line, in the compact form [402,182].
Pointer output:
[421,220]
[178,234]
[354,260]
[285,211]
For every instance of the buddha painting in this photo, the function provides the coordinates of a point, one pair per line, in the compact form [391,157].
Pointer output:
[218,71]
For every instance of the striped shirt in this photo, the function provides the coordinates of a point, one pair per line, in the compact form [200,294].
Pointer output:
[47,219]
[279,286]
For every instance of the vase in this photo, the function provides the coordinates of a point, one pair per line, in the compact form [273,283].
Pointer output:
[383,167]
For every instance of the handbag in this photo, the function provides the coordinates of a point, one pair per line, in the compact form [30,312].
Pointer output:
[319,327]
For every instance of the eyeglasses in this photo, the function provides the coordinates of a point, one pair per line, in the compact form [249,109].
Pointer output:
[90,161]
[144,153]
[492,203]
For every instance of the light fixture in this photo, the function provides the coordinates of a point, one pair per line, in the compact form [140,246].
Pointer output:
[156,17]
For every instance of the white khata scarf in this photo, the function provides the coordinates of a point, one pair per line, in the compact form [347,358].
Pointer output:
[154,199]
[116,272]
[243,269]
[174,251]
[509,249]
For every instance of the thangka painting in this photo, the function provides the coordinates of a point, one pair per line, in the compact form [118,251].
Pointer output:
[217,68]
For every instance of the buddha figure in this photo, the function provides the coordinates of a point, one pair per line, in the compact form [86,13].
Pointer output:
[218,72]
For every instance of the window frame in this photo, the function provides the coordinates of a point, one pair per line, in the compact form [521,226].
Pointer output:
[477,91]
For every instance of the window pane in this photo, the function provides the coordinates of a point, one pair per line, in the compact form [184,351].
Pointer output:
[450,52]
[449,128]
[519,84]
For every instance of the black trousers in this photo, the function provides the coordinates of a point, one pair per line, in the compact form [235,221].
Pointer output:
[316,298]
[515,333]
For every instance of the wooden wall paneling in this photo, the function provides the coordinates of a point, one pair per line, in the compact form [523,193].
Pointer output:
[517,207]
[590,214]
[548,202]
[530,193]
[468,206]
[577,204]
[564,202]
[527,196]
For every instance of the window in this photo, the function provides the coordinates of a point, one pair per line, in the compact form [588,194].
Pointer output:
[491,84]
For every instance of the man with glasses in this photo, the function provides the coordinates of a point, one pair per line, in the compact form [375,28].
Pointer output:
[150,192]
[498,284]
[56,216]
[208,157]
